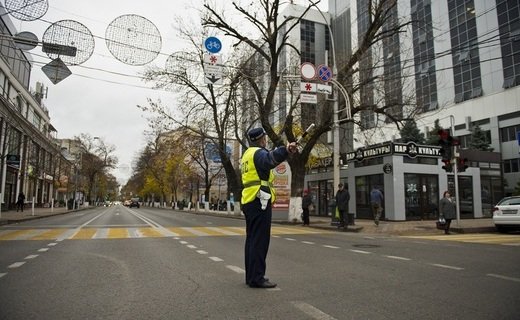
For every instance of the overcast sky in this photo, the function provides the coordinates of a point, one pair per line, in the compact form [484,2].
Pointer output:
[94,99]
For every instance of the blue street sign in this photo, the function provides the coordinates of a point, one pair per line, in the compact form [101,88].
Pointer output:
[213,44]
[324,73]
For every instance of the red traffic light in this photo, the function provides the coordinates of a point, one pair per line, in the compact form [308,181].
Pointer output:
[443,134]
[461,164]
[447,165]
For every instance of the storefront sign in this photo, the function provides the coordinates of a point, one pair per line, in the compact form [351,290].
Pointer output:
[414,150]
[387,168]
[13,160]
[411,149]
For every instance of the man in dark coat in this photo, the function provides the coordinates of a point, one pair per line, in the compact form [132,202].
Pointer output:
[342,199]
[306,202]
[21,201]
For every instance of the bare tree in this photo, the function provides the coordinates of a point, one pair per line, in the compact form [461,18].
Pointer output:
[273,39]
[199,101]
[96,159]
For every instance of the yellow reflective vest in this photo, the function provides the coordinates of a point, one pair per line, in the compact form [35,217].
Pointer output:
[250,179]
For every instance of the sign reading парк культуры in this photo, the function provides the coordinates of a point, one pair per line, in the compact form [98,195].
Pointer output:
[411,149]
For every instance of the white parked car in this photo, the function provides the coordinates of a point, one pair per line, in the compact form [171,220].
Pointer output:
[506,214]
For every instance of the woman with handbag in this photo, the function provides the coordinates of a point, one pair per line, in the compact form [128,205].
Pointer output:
[447,210]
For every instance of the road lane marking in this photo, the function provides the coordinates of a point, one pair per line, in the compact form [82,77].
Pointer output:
[224,231]
[312,311]
[32,256]
[102,233]
[117,233]
[216,259]
[398,258]
[52,244]
[43,250]
[16,265]
[308,242]
[330,247]
[150,232]
[21,234]
[88,232]
[183,242]
[83,234]
[2,274]
[49,234]
[155,225]
[235,269]
[202,252]
[483,238]
[360,251]
[191,246]
[503,277]
[446,267]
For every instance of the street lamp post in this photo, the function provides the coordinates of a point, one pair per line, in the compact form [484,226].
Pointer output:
[340,88]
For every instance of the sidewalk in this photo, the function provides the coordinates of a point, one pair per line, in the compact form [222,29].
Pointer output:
[420,227]
[11,216]
[361,225]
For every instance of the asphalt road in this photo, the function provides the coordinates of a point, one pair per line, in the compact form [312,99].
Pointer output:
[120,263]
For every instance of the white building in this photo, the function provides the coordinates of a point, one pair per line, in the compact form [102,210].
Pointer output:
[458,63]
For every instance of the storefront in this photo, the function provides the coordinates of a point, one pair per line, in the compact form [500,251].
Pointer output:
[412,181]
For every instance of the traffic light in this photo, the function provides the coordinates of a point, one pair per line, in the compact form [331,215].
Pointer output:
[447,165]
[446,142]
[462,164]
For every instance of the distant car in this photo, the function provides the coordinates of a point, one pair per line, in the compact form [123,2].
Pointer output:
[506,214]
[134,204]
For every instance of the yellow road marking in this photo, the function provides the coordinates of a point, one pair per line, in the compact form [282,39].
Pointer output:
[473,238]
[14,234]
[117,233]
[150,233]
[50,234]
[84,234]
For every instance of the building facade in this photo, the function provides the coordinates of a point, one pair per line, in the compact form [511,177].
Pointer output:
[31,159]
[457,64]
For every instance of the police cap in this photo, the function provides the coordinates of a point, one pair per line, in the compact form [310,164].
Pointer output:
[256,133]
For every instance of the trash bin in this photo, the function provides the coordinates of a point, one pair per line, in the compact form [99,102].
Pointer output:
[70,204]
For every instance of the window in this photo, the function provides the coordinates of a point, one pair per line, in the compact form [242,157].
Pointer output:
[423,51]
[509,29]
[509,133]
[511,165]
[465,56]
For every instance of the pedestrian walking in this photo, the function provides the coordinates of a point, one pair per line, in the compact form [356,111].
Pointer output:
[258,194]
[342,199]
[20,202]
[376,203]
[447,210]
[306,203]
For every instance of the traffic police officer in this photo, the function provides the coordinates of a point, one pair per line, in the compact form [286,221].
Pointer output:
[257,196]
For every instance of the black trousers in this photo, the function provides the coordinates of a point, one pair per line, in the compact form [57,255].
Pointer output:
[305,216]
[447,228]
[258,235]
